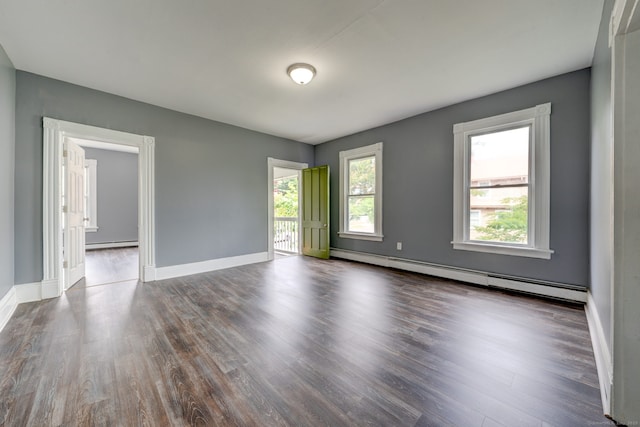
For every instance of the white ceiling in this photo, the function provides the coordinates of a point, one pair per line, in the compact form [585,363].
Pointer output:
[378,61]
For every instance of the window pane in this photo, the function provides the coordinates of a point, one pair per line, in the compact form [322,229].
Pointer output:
[500,158]
[361,214]
[362,176]
[501,215]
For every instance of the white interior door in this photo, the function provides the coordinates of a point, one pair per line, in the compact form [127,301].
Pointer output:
[73,209]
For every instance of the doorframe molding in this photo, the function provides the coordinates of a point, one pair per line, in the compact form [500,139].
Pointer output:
[54,133]
[624,387]
[286,164]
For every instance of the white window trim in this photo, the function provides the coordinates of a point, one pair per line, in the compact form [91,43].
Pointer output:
[538,118]
[345,157]
[91,166]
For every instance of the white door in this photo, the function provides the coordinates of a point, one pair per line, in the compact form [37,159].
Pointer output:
[73,211]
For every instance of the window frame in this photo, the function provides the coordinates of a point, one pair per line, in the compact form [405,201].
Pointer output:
[91,195]
[346,156]
[538,118]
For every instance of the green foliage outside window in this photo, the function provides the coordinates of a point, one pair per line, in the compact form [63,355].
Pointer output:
[362,181]
[509,226]
[361,207]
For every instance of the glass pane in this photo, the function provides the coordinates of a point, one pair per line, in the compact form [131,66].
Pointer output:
[362,176]
[500,158]
[499,215]
[361,214]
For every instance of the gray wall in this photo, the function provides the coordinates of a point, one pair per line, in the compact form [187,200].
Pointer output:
[7,145]
[602,175]
[117,196]
[418,182]
[211,178]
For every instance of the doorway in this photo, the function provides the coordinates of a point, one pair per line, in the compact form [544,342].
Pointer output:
[55,134]
[284,179]
[110,213]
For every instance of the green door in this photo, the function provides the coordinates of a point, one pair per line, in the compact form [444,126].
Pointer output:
[315,212]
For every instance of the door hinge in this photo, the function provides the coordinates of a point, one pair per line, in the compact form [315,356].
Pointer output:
[65,153]
[64,209]
[65,264]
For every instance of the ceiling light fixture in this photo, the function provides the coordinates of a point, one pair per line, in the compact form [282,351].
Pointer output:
[301,73]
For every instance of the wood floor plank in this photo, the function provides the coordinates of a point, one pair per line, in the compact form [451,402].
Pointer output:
[297,342]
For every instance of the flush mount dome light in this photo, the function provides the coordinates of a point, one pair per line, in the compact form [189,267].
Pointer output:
[301,73]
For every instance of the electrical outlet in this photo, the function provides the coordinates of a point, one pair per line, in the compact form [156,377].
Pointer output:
[399,246]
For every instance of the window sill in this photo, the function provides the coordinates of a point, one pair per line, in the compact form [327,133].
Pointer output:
[91,229]
[361,236]
[504,250]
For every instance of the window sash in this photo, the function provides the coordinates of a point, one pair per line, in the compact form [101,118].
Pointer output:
[481,187]
[348,165]
[485,184]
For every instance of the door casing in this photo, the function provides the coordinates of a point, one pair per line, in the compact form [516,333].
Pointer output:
[54,134]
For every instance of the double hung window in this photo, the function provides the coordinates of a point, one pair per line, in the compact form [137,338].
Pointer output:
[361,193]
[501,184]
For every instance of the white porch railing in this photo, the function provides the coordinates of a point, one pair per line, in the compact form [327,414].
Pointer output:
[285,234]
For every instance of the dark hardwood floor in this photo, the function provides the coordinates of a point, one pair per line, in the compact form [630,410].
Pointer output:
[298,342]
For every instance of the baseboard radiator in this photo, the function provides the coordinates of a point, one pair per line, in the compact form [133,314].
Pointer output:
[548,289]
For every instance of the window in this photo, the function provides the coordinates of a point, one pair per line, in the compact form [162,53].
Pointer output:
[90,195]
[361,193]
[501,184]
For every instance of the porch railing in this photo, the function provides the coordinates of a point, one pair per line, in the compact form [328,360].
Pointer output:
[285,234]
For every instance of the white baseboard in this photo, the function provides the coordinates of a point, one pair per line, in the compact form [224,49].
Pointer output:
[8,305]
[110,245]
[172,271]
[468,276]
[149,273]
[28,292]
[565,292]
[50,289]
[601,353]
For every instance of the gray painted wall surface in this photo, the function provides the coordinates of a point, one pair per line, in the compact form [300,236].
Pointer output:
[602,175]
[418,182]
[7,145]
[211,178]
[117,196]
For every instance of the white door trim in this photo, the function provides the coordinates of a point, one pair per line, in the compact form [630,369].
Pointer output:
[54,133]
[625,292]
[277,163]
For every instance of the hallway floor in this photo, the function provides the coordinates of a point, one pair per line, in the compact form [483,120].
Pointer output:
[109,266]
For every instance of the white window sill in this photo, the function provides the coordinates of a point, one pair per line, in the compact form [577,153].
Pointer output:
[503,249]
[361,236]
[91,229]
